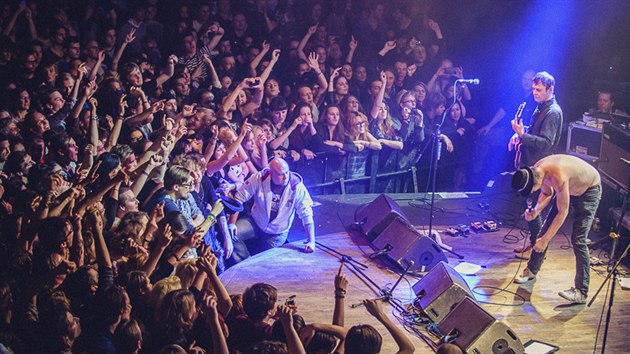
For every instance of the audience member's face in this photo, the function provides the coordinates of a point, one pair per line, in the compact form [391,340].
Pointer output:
[134,78]
[279,117]
[74,50]
[604,102]
[541,93]
[51,74]
[322,55]
[204,13]
[268,131]
[302,69]
[360,73]
[228,64]
[280,173]
[11,130]
[341,86]
[181,89]
[38,50]
[5,150]
[421,93]
[271,88]
[375,87]
[225,46]
[353,104]
[29,64]
[185,188]
[41,124]
[170,105]
[219,151]
[346,71]
[190,45]
[456,113]
[307,115]
[419,54]
[56,101]
[91,49]
[332,116]
[239,22]
[206,100]
[73,151]
[401,70]
[358,125]
[24,103]
[306,94]
[73,326]
[382,111]
[110,38]
[59,36]
[248,142]
[334,52]
[390,79]
[131,162]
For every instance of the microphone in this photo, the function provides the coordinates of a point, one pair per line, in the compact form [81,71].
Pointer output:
[469,81]
[530,204]
[381,252]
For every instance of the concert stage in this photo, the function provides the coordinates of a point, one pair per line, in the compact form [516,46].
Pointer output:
[532,311]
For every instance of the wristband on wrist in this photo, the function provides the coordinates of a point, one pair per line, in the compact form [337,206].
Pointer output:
[94,118]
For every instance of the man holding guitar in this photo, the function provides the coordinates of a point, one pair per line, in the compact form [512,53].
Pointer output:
[539,139]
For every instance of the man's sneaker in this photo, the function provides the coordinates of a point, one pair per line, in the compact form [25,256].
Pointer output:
[526,277]
[521,248]
[573,295]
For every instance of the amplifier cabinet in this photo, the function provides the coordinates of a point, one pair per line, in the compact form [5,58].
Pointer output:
[584,141]
[615,146]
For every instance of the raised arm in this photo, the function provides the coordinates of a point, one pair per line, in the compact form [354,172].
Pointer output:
[378,100]
[304,41]
[130,37]
[341,288]
[115,133]
[257,59]
[93,103]
[321,78]
[250,107]
[216,82]
[214,41]
[169,70]
[404,344]
[97,66]
[275,55]
[352,46]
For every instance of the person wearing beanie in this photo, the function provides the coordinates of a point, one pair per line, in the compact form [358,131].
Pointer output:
[563,181]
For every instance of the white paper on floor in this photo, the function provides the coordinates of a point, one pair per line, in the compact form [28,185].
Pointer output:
[466,268]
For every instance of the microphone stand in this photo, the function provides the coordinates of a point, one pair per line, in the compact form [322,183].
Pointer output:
[437,143]
[612,273]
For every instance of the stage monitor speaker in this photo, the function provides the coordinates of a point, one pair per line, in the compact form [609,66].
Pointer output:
[375,217]
[439,291]
[476,331]
[406,244]
[615,146]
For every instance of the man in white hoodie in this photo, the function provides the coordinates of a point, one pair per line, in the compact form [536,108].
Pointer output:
[278,195]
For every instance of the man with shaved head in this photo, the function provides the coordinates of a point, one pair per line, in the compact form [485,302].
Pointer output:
[278,195]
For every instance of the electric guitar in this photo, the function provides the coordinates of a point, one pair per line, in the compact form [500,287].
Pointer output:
[517,148]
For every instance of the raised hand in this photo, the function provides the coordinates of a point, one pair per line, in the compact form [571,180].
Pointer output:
[353,43]
[312,29]
[389,45]
[130,37]
[312,61]
[265,46]
[165,237]
[275,55]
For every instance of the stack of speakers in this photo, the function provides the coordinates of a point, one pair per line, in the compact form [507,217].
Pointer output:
[384,224]
[446,299]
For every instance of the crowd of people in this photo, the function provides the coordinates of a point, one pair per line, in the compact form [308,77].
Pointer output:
[122,123]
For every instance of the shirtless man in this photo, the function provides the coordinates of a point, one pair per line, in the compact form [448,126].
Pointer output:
[569,181]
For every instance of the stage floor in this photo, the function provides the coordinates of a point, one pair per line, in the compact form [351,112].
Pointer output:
[543,316]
